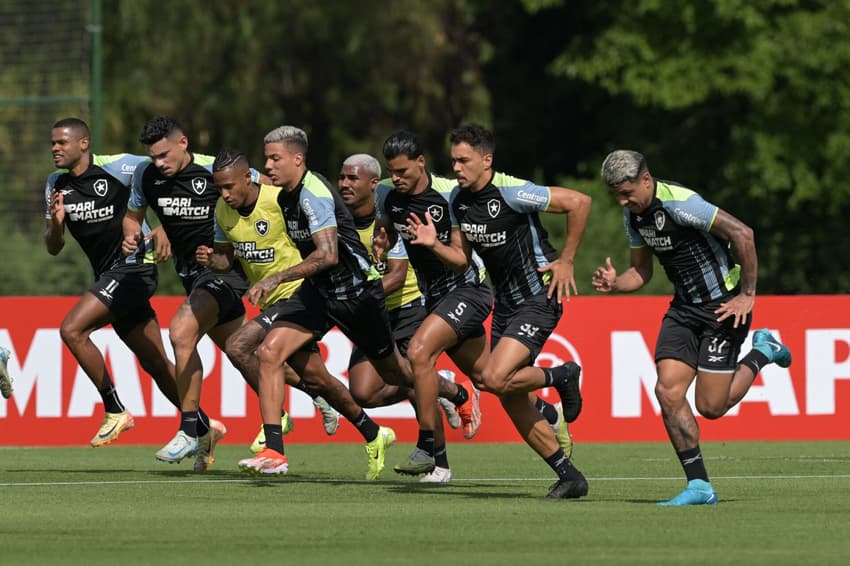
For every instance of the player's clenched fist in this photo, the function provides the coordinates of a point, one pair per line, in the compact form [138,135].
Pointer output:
[202,255]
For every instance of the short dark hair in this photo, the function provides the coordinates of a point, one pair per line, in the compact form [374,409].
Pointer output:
[229,157]
[76,125]
[403,142]
[158,128]
[477,136]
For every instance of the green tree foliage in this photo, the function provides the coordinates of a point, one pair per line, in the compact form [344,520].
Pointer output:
[747,102]
[349,73]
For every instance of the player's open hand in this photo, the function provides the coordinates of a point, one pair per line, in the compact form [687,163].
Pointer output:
[424,233]
[57,206]
[563,279]
[739,307]
[260,289]
[604,277]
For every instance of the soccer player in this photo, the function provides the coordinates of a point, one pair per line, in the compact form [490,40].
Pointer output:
[5,381]
[358,178]
[178,185]
[498,216]
[701,335]
[255,224]
[457,303]
[88,195]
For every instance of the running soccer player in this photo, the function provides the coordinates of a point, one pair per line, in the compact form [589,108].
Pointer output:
[711,312]
[255,224]
[358,178]
[457,303]
[498,216]
[178,185]
[88,195]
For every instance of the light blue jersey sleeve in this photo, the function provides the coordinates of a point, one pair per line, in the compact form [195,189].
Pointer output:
[122,166]
[521,195]
[694,212]
[450,197]
[318,206]
[137,195]
[398,251]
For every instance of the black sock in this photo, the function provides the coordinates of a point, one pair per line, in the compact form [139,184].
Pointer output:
[274,437]
[562,466]
[755,360]
[692,464]
[559,376]
[366,426]
[461,396]
[203,423]
[111,402]
[548,410]
[189,423]
[426,441]
[441,457]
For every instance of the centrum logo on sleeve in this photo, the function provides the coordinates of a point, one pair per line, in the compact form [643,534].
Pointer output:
[531,197]
[312,219]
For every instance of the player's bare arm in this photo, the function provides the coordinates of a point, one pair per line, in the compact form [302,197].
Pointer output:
[742,240]
[606,280]
[54,235]
[324,256]
[132,226]
[218,258]
[383,239]
[576,207]
[161,244]
[455,254]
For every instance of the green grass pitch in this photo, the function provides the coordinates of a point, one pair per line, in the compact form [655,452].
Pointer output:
[780,503]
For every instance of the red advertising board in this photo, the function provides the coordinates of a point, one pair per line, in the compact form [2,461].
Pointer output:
[612,338]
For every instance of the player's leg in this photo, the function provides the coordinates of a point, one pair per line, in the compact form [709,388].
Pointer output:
[365,383]
[528,326]
[766,350]
[369,390]
[241,347]
[194,318]
[280,344]
[241,350]
[88,315]
[432,338]
[674,379]
[471,357]
[197,316]
[538,434]
[311,368]
[122,299]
